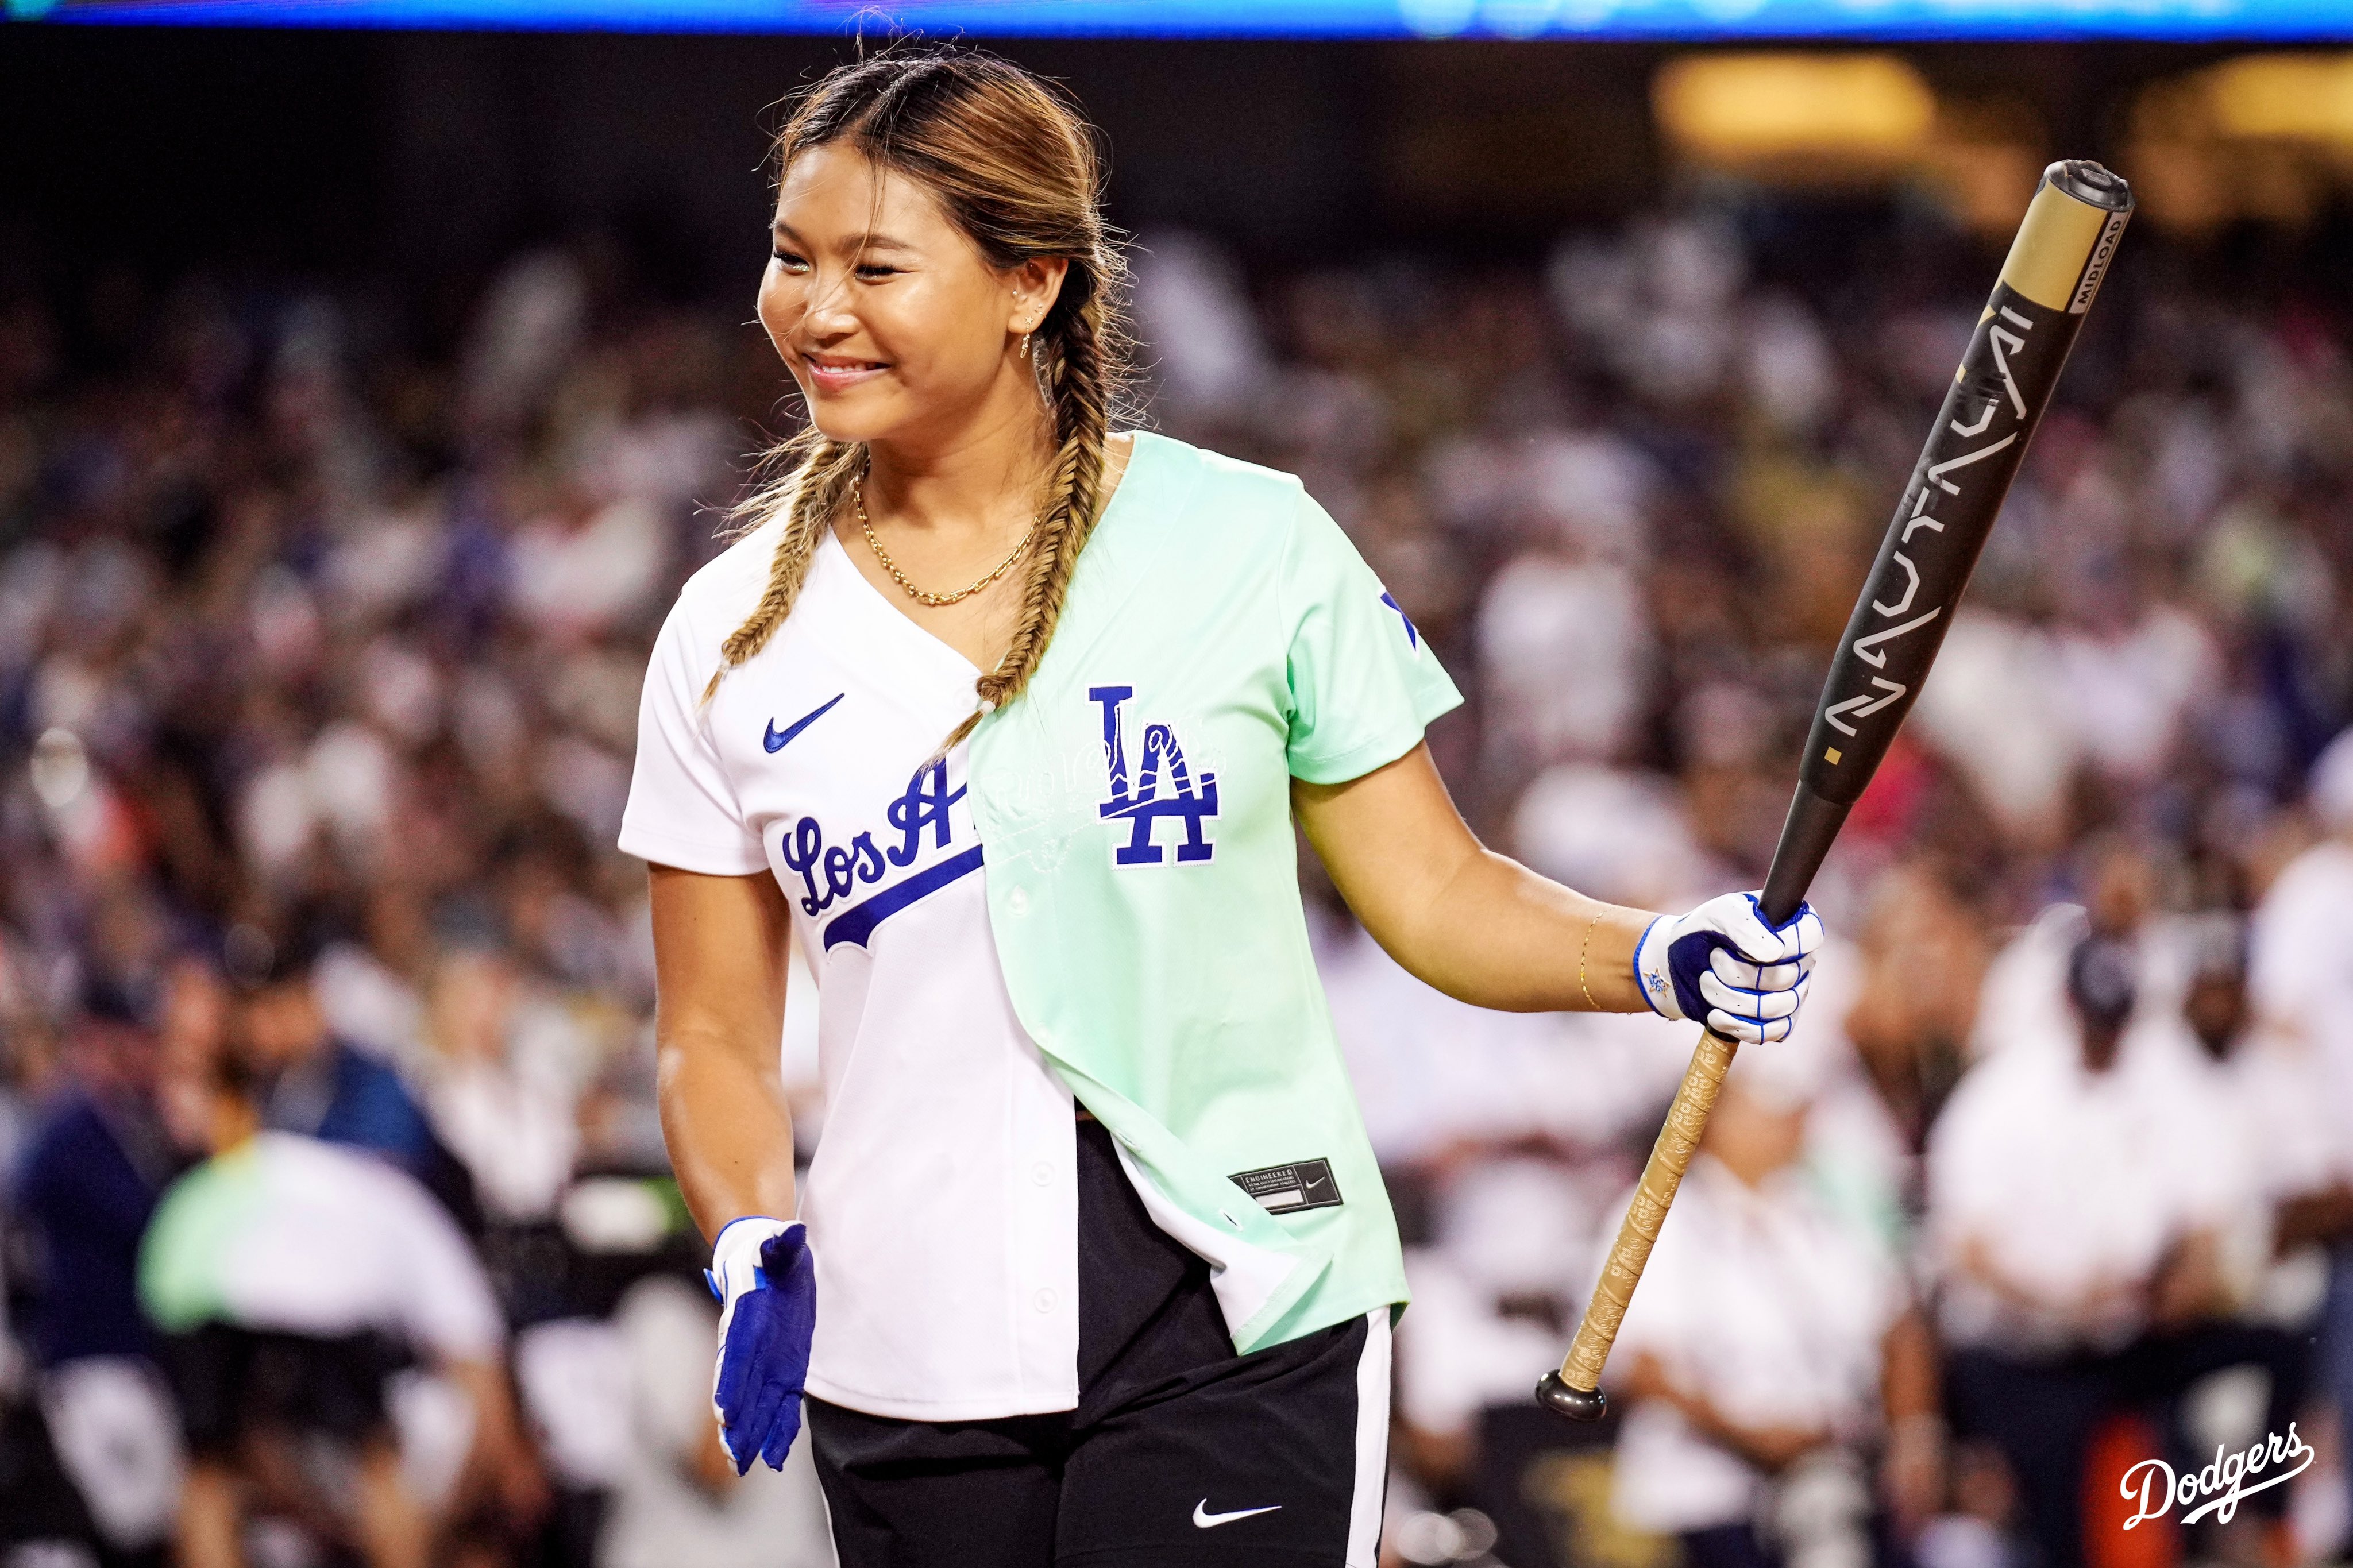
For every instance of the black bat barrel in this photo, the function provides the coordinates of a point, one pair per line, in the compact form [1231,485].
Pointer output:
[1998,397]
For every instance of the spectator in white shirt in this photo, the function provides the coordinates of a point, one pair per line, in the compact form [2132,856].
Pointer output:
[290,1277]
[2277,1188]
[2301,978]
[503,1081]
[2066,1223]
[2276,1154]
[1768,1351]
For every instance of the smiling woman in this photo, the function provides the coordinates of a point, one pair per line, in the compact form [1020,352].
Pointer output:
[1007,719]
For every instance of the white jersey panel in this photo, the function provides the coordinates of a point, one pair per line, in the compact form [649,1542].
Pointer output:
[333,1241]
[942,1203]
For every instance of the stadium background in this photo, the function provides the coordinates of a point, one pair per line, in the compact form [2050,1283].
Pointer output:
[364,394]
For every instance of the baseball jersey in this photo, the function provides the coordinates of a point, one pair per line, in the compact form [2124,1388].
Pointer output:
[1222,637]
[1098,895]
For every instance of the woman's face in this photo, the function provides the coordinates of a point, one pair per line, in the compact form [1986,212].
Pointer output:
[890,319]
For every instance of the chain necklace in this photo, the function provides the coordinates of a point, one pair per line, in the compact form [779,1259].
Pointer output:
[858,500]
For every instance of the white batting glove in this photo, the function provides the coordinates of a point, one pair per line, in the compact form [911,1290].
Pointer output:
[1723,964]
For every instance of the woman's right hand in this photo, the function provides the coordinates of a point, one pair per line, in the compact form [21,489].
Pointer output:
[767,1284]
[719,953]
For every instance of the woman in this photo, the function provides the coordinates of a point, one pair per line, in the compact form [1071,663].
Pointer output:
[1105,1265]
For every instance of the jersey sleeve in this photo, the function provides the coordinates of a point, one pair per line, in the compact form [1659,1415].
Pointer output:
[1364,683]
[683,810]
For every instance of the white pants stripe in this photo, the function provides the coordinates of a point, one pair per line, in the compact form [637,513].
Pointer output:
[1372,1442]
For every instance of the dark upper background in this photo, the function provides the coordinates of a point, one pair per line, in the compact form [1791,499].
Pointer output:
[432,156]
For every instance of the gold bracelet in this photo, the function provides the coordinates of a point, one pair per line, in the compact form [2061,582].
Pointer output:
[1590,1005]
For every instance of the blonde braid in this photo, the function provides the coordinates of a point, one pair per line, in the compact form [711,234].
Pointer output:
[809,494]
[1082,424]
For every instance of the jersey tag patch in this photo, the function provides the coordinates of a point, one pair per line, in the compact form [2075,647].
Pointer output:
[1287,1189]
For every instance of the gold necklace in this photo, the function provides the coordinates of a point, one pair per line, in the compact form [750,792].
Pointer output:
[858,500]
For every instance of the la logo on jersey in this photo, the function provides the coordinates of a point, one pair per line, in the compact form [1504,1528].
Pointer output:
[1140,802]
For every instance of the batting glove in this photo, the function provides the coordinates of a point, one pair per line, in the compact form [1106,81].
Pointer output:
[767,1284]
[1722,964]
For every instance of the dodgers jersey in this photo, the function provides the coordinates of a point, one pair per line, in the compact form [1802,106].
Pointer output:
[942,1203]
[1105,902]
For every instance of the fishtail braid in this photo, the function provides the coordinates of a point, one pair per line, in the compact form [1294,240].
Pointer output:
[1081,395]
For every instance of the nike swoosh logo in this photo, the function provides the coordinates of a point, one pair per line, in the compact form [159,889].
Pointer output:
[1204,1520]
[776,740]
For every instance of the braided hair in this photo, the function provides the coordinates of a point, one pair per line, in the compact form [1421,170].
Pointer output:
[1017,169]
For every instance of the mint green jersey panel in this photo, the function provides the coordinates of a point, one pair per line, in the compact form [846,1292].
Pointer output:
[184,1254]
[1220,637]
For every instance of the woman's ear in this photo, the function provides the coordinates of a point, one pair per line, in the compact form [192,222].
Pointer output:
[1037,283]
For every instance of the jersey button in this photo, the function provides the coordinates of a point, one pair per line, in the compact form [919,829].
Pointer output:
[1017,902]
[1042,1174]
[1043,1300]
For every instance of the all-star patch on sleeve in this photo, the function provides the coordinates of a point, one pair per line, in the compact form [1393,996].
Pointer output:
[1364,683]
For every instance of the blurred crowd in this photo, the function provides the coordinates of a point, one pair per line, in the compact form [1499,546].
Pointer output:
[325,998]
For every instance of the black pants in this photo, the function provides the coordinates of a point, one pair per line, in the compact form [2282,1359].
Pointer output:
[231,1381]
[1725,1546]
[1180,1454]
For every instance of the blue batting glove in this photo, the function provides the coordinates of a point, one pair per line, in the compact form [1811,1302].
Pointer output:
[1723,964]
[767,1284]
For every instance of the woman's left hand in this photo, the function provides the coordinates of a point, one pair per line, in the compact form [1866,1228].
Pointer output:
[1723,965]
